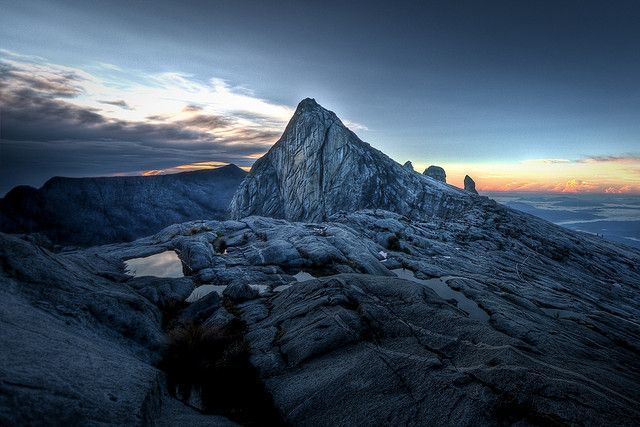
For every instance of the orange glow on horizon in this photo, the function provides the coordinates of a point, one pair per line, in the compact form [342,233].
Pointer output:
[619,175]
[186,168]
[607,175]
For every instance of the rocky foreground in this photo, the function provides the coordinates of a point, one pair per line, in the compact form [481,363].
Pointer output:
[84,341]
[444,308]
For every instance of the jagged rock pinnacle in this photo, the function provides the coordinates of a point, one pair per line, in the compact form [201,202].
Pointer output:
[408,165]
[319,167]
[470,184]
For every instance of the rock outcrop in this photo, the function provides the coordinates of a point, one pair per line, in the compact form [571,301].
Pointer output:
[435,172]
[470,184]
[319,167]
[90,211]
[80,343]
[408,165]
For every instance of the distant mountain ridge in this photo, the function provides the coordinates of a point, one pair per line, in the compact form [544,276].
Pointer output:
[90,211]
[319,167]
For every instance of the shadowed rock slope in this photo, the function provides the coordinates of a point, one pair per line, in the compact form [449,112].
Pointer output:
[319,167]
[89,211]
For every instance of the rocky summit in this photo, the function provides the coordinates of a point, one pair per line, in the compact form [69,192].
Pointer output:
[348,290]
[319,167]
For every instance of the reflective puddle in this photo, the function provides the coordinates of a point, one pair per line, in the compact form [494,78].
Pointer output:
[440,287]
[164,264]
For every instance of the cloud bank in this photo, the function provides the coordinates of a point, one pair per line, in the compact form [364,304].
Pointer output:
[104,120]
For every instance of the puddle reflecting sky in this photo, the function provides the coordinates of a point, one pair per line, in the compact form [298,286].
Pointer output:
[443,290]
[165,264]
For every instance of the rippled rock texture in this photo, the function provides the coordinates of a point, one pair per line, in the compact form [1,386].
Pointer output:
[558,344]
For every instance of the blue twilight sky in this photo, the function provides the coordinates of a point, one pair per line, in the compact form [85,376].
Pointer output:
[466,84]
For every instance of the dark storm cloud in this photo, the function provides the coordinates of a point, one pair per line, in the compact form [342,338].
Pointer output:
[53,84]
[39,110]
[206,121]
[43,132]
[28,115]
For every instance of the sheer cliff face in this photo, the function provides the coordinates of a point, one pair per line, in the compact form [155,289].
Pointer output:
[319,167]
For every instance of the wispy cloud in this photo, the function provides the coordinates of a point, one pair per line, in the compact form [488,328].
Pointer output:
[625,158]
[545,161]
[354,126]
[120,103]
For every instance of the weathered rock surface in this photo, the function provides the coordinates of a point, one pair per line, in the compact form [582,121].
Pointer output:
[240,292]
[470,184]
[78,346]
[319,167]
[361,349]
[436,172]
[408,165]
[356,345]
[89,211]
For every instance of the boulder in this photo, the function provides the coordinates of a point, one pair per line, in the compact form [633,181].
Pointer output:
[436,172]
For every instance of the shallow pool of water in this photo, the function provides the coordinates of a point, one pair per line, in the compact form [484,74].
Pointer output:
[440,287]
[164,264]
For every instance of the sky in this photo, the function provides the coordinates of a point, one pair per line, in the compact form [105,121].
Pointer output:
[522,96]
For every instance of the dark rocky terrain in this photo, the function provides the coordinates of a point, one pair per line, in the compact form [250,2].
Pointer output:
[443,308]
[90,211]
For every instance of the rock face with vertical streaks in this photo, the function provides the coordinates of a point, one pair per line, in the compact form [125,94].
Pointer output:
[319,167]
